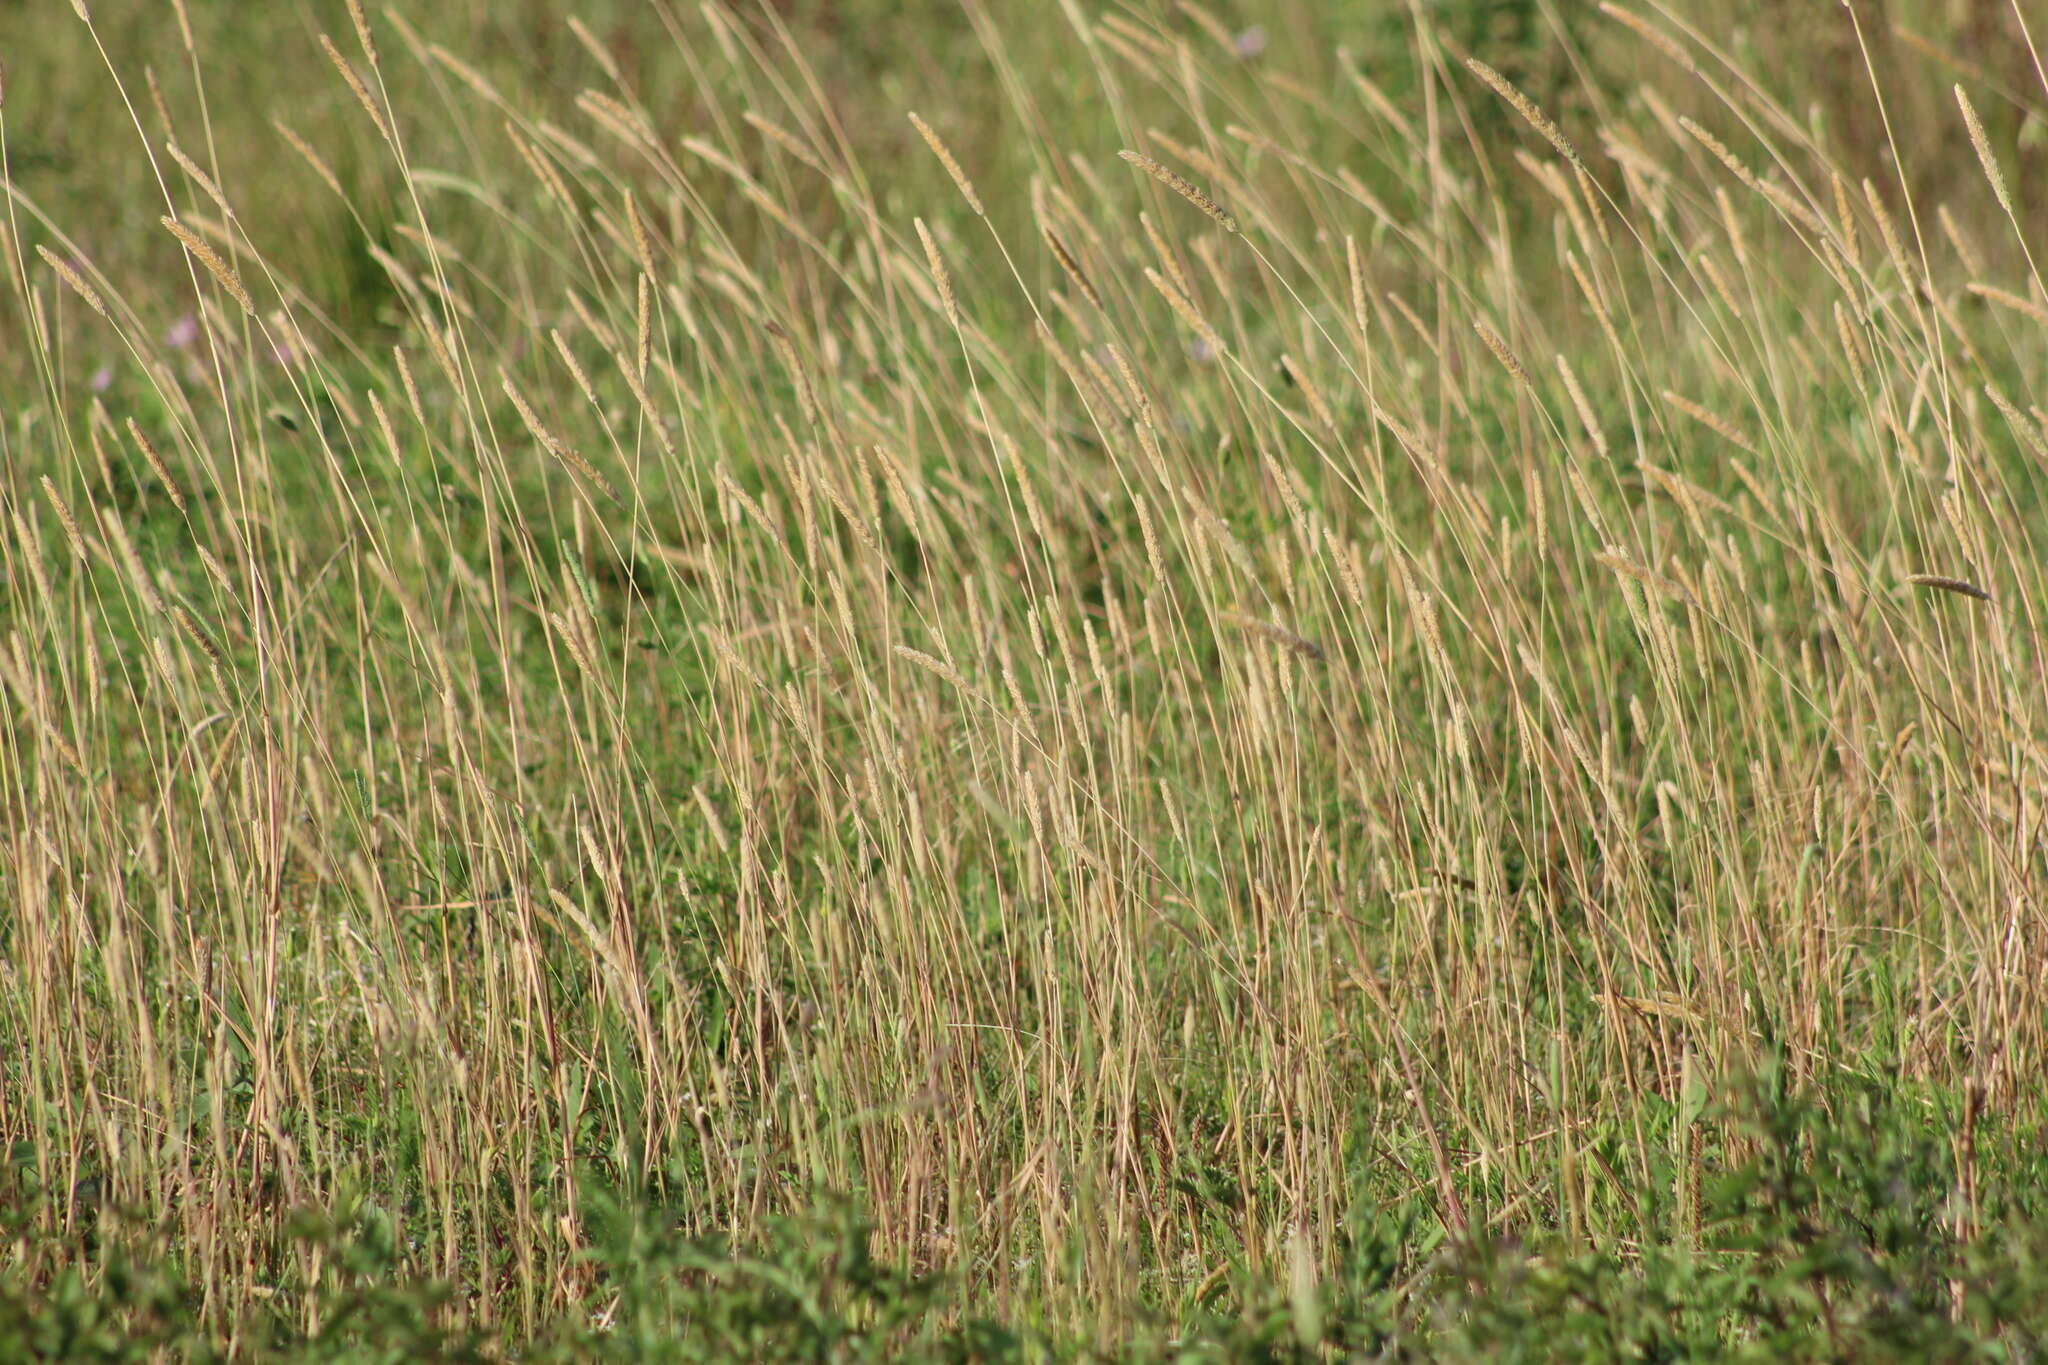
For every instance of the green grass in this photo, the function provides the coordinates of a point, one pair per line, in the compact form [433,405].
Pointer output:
[612,773]
[1830,1237]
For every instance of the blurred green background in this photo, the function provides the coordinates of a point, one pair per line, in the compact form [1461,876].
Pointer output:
[76,144]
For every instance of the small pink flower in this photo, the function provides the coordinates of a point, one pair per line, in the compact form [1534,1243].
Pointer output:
[183,333]
[103,379]
[1251,42]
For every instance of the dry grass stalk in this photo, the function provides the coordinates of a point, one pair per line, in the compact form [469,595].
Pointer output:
[1070,266]
[1354,269]
[465,73]
[1982,145]
[1720,284]
[1722,154]
[1621,562]
[786,352]
[1962,587]
[1591,293]
[2029,434]
[1991,293]
[1133,389]
[1966,249]
[1580,405]
[64,517]
[1318,407]
[1852,345]
[573,365]
[570,633]
[75,281]
[643,241]
[116,532]
[643,337]
[1185,307]
[223,274]
[649,414]
[551,443]
[1887,231]
[156,464]
[1278,634]
[937,667]
[1501,352]
[406,382]
[1181,186]
[940,278]
[189,624]
[1711,420]
[384,427]
[620,120]
[1845,218]
[1649,33]
[308,155]
[1169,259]
[200,178]
[1526,107]
[357,17]
[599,53]
[788,141]
[356,86]
[945,156]
[543,169]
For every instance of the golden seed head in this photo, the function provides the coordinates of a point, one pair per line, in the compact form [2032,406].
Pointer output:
[2005,298]
[200,178]
[643,241]
[945,156]
[1184,306]
[940,278]
[1071,266]
[64,517]
[1982,144]
[155,461]
[1708,419]
[1181,186]
[72,278]
[362,23]
[1499,346]
[354,80]
[1526,107]
[1650,34]
[221,271]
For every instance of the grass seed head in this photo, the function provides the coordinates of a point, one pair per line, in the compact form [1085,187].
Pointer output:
[945,156]
[1181,186]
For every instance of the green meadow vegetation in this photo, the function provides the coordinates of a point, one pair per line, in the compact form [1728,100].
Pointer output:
[1102,680]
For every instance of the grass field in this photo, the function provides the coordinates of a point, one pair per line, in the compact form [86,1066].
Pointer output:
[980,681]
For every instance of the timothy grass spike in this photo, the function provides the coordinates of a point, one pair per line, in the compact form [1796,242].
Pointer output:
[945,156]
[356,85]
[74,280]
[222,272]
[1526,107]
[1962,587]
[940,278]
[155,461]
[361,21]
[1181,186]
[1982,144]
